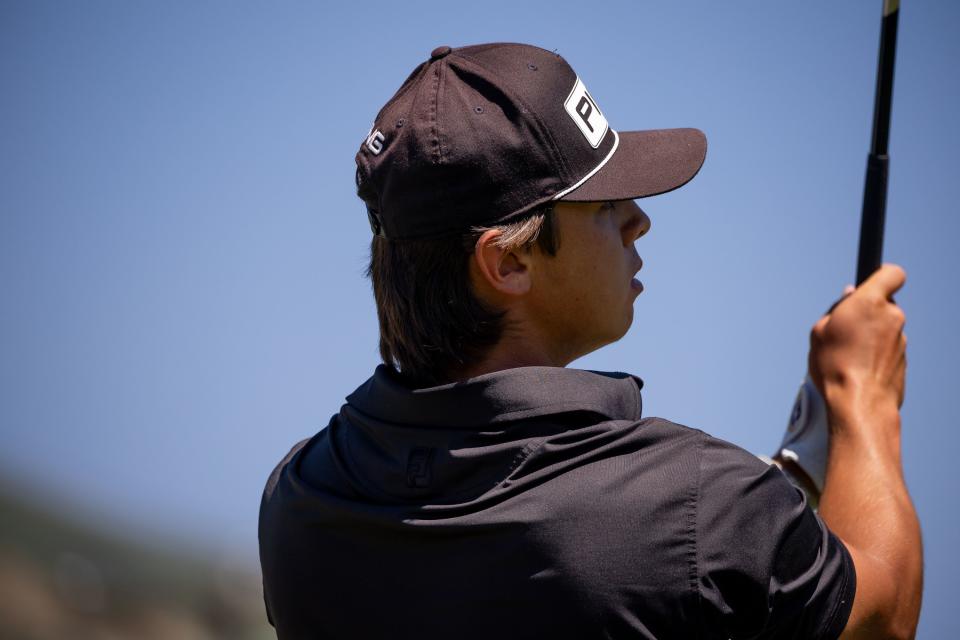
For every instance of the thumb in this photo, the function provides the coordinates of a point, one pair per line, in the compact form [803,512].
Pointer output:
[820,324]
[885,281]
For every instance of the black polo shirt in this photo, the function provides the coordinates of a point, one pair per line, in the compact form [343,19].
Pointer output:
[536,502]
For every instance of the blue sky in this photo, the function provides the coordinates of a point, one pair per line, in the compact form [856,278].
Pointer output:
[181,250]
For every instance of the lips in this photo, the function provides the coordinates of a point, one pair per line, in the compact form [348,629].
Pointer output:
[634,283]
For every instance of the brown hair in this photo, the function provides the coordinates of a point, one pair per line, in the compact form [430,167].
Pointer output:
[431,321]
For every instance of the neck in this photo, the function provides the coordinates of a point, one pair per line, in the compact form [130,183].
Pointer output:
[518,347]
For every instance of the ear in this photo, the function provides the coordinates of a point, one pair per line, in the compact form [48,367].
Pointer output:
[507,273]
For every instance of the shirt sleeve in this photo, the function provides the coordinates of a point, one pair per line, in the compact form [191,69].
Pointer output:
[766,564]
[266,528]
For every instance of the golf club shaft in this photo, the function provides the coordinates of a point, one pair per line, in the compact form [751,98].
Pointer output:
[875,187]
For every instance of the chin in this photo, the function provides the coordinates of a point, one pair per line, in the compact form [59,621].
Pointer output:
[628,323]
[622,330]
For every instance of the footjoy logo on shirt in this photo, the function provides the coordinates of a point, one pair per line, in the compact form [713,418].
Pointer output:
[585,112]
[418,467]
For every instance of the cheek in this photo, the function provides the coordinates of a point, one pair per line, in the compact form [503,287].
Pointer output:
[591,281]
[588,273]
[602,266]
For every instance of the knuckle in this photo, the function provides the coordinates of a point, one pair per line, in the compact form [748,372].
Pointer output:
[817,330]
[876,300]
[894,271]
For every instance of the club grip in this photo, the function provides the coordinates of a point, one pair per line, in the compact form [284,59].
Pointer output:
[872,221]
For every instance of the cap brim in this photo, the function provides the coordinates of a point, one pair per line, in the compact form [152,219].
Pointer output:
[645,163]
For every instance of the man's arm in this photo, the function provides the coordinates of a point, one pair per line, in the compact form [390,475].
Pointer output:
[858,361]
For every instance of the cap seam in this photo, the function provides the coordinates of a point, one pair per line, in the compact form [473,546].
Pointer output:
[440,88]
[554,147]
[434,139]
[403,90]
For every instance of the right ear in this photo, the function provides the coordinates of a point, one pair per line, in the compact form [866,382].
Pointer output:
[506,273]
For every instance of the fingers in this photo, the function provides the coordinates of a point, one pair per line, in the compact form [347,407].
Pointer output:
[862,339]
[847,290]
[820,325]
[902,369]
[879,289]
[885,281]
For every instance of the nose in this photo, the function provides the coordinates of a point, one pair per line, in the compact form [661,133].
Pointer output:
[636,222]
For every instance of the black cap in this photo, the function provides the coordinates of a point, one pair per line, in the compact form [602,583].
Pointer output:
[480,135]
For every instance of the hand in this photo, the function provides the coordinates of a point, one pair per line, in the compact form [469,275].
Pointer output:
[858,350]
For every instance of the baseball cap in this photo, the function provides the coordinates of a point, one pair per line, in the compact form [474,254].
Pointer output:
[482,134]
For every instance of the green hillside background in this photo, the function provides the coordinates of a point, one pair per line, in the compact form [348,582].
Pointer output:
[66,574]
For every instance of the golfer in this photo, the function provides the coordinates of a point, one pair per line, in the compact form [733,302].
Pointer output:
[476,487]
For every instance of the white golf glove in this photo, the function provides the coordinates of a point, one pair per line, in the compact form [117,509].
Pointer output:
[807,437]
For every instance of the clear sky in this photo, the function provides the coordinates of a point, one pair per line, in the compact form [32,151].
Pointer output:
[181,250]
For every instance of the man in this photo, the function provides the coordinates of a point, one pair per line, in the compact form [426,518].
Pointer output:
[475,487]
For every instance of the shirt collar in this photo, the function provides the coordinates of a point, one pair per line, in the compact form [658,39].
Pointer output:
[500,396]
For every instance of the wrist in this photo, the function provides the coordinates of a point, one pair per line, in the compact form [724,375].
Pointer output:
[851,403]
[865,429]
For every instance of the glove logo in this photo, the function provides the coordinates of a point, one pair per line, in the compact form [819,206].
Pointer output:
[795,415]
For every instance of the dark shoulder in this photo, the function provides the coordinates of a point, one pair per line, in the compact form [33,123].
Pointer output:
[726,465]
[659,433]
[724,475]
[282,465]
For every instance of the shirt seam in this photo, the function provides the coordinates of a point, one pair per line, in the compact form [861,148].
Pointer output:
[535,446]
[539,411]
[566,406]
[692,551]
[848,565]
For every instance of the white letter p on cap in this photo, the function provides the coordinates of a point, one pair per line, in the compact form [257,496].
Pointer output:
[585,112]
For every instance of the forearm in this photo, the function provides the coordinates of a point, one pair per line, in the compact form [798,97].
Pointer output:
[865,502]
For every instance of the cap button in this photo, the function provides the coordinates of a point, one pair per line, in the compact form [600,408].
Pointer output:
[439,52]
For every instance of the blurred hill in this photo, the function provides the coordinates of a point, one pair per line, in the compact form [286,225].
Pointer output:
[62,577]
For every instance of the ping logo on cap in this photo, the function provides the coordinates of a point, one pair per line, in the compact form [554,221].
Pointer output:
[374,141]
[585,112]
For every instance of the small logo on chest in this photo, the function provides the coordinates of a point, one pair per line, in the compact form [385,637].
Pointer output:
[419,463]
